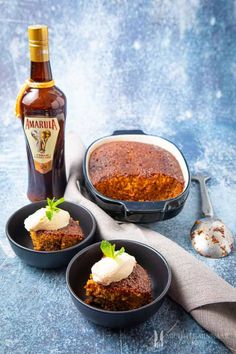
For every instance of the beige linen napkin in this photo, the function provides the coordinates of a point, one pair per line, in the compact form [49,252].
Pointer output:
[208,298]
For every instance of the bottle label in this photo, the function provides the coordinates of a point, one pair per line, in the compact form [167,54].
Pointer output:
[42,134]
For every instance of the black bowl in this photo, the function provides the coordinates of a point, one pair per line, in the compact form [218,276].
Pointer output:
[139,212]
[79,269]
[21,243]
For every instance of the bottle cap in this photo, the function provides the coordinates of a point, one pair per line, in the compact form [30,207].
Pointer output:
[38,34]
[38,43]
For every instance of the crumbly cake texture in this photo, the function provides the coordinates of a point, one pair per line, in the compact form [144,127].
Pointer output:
[54,240]
[127,294]
[135,171]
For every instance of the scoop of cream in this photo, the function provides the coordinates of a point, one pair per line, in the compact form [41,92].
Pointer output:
[39,220]
[109,270]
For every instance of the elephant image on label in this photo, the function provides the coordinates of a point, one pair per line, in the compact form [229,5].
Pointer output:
[42,134]
[41,138]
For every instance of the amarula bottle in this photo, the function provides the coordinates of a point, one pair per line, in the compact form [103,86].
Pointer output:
[42,108]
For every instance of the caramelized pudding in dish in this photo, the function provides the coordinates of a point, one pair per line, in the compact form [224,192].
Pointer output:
[117,282]
[134,171]
[52,228]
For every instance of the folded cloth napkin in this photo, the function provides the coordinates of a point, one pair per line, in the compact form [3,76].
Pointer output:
[208,298]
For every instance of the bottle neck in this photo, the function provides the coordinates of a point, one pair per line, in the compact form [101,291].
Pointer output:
[40,71]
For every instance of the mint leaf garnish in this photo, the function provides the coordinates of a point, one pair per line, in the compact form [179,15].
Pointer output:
[52,207]
[109,250]
[118,253]
[49,214]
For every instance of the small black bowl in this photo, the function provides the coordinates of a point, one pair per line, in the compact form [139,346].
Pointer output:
[21,243]
[79,269]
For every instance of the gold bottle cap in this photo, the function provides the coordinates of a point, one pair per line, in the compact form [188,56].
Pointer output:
[38,34]
[38,43]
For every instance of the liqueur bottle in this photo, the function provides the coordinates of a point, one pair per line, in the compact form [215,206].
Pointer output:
[41,106]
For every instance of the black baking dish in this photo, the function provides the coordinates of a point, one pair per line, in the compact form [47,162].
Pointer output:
[139,211]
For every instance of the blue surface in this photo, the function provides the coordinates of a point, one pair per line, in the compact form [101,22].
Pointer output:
[168,67]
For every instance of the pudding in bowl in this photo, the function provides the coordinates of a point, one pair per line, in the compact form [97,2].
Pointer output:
[153,263]
[52,228]
[21,241]
[117,282]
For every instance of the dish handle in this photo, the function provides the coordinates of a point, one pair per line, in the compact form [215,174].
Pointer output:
[126,132]
[144,207]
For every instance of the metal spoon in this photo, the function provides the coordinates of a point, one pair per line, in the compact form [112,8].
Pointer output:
[210,236]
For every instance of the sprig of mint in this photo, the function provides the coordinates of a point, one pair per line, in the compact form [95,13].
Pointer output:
[52,207]
[109,250]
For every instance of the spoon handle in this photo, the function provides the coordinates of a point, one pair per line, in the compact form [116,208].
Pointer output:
[207,209]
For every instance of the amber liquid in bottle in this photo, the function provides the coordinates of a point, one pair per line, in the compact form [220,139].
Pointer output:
[43,120]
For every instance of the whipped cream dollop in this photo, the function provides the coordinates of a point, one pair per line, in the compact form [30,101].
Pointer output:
[109,270]
[39,220]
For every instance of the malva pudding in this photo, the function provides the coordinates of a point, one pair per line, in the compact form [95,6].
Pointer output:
[118,282]
[133,171]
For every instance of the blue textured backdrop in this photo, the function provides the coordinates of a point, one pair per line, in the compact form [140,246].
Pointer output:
[168,67]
